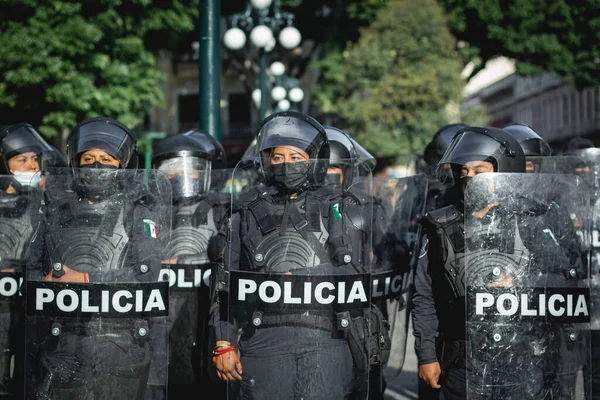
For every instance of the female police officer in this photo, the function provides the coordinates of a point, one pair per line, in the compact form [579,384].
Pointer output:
[278,233]
[94,296]
[21,152]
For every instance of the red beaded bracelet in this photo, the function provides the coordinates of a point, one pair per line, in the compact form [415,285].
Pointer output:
[221,350]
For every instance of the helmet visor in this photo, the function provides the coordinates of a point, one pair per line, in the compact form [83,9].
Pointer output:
[189,176]
[290,131]
[23,139]
[470,146]
[102,135]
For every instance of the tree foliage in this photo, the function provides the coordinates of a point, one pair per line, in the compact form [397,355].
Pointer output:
[559,36]
[393,87]
[62,61]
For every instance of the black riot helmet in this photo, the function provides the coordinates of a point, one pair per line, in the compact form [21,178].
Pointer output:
[218,157]
[366,161]
[98,181]
[186,161]
[579,146]
[533,145]
[583,157]
[493,145]
[105,134]
[439,143]
[18,139]
[342,154]
[290,128]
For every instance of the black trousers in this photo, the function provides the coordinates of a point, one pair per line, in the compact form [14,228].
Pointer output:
[101,367]
[295,363]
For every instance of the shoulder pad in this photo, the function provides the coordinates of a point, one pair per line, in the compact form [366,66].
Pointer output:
[442,216]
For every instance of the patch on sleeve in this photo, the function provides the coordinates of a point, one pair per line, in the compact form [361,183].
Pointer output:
[336,211]
[150,229]
[424,247]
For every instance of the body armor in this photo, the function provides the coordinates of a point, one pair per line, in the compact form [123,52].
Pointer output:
[16,227]
[90,237]
[16,230]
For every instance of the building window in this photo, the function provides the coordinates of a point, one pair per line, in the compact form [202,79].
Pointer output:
[188,111]
[240,109]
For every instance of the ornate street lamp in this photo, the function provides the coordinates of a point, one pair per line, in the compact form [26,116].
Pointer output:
[261,20]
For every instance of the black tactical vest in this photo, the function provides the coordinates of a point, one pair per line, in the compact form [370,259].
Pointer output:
[279,237]
[193,226]
[90,237]
[16,229]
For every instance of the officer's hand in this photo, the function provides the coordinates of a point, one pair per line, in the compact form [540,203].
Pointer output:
[430,373]
[229,367]
[170,261]
[70,275]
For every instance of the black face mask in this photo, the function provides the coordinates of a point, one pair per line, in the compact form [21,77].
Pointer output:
[96,181]
[185,187]
[334,180]
[288,177]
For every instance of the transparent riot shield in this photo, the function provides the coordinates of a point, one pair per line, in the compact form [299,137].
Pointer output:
[297,308]
[18,224]
[187,267]
[95,308]
[527,289]
[398,205]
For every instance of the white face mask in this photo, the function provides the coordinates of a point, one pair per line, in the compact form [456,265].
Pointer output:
[27,178]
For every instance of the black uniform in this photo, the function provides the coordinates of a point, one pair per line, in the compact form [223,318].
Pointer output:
[104,222]
[439,297]
[20,199]
[292,226]
[198,214]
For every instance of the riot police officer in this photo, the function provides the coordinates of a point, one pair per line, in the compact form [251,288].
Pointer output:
[281,236]
[21,153]
[504,237]
[584,161]
[98,248]
[191,161]
[534,146]
[439,192]
[439,297]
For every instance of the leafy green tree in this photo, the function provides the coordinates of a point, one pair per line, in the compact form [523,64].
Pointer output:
[559,36]
[62,61]
[392,88]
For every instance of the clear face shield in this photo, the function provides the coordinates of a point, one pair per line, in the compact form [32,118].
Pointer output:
[189,176]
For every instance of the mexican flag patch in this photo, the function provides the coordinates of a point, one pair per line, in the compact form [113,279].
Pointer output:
[336,211]
[150,229]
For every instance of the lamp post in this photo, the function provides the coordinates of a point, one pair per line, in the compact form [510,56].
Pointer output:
[210,68]
[260,20]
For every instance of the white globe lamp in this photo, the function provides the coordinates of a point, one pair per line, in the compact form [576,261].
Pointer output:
[260,36]
[283,105]
[261,4]
[278,93]
[290,37]
[271,45]
[296,95]
[256,96]
[234,38]
[277,68]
